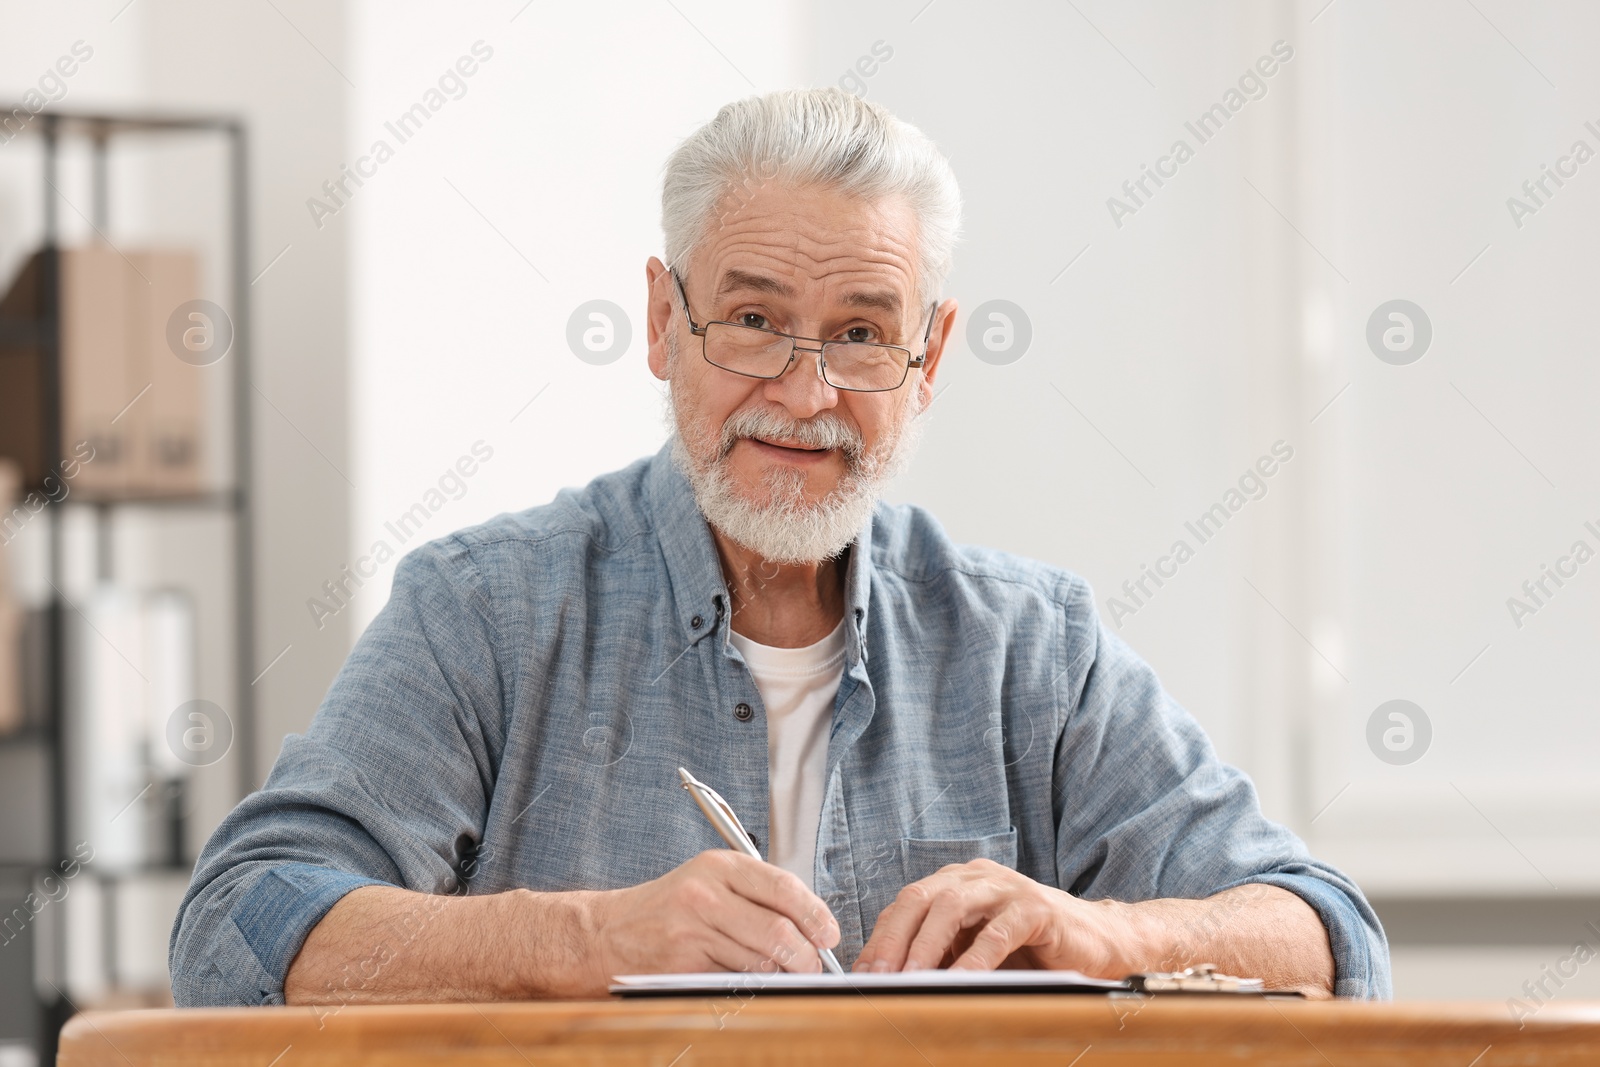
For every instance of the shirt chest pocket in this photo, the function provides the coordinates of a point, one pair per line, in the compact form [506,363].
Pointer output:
[920,857]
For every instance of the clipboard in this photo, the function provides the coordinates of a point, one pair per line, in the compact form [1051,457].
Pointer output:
[1202,980]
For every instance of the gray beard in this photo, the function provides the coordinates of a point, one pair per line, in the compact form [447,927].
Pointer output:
[786,528]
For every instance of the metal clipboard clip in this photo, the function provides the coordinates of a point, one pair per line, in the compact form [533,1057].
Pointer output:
[1202,978]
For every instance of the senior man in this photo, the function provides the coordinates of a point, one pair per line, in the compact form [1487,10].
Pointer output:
[944,757]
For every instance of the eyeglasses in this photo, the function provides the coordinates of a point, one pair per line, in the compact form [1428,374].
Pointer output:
[855,366]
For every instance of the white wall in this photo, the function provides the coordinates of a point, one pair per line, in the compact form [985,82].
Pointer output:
[1452,480]
[535,192]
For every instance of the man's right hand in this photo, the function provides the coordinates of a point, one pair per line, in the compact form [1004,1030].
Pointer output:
[720,911]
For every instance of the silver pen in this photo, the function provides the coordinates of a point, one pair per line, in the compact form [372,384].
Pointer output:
[721,815]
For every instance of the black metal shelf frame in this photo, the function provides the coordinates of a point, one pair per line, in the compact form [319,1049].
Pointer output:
[236,497]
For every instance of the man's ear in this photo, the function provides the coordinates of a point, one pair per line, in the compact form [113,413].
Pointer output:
[658,314]
[944,327]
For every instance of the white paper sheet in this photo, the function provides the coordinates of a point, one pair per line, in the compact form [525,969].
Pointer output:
[945,981]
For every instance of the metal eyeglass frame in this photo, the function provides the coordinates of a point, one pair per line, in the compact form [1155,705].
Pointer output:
[795,347]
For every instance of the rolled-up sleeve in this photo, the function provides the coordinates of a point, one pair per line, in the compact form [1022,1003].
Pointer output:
[1145,810]
[388,786]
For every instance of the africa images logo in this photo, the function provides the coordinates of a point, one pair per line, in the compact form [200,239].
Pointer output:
[451,85]
[1252,85]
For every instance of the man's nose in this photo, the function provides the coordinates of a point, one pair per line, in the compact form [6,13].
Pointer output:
[801,389]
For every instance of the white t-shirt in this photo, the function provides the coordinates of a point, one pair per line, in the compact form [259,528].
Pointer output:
[797,685]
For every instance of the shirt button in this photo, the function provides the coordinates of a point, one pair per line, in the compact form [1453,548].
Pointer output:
[743,712]
[694,623]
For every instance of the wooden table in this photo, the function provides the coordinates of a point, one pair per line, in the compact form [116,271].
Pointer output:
[1060,1030]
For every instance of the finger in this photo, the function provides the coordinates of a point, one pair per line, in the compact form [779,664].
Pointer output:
[781,891]
[954,909]
[768,934]
[728,954]
[962,942]
[719,952]
[999,938]
[897,925]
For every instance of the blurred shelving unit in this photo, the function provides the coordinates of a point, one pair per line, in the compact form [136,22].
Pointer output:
[41,770]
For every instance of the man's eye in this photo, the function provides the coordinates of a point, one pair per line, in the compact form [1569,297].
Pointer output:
[860,334]
[754,321]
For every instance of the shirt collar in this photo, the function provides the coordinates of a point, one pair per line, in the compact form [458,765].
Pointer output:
[695,572]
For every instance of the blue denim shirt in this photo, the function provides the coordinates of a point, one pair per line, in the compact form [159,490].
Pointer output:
[516,714]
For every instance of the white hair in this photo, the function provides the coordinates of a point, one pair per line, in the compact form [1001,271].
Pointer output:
[825,137]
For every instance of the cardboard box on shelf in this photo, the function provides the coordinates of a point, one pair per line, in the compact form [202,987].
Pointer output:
[167,447]
[132,412]
[93,302]
[10,612]
[97,372]
[10,497]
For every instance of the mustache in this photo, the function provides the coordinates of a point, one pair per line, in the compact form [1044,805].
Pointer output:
[823,431]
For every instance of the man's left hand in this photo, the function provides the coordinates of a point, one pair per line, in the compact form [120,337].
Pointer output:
[983,916]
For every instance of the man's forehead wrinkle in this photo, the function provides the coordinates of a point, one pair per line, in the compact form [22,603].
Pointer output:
[735,279]
[851,266]
[873,241]
[821,236]
[876,271]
